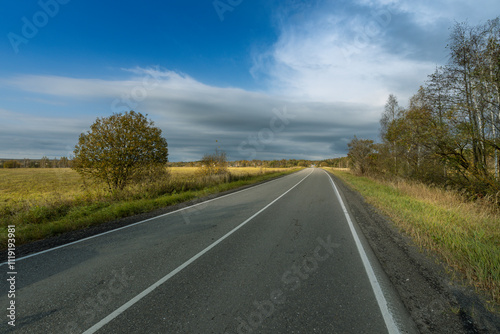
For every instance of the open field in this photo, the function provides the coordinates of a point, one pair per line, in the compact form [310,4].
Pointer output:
[465,234]
[32,185]
[45,202]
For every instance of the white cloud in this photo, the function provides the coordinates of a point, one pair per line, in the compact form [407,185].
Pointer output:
[429,11]
[363,51]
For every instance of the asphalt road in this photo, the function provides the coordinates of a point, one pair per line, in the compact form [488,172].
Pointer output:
[281,257]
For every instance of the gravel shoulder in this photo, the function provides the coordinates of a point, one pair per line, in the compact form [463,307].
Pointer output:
[436,297]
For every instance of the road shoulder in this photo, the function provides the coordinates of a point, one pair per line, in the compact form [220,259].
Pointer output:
[434,296]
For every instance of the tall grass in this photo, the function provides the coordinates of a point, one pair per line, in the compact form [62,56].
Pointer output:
[46,202]
[466,234]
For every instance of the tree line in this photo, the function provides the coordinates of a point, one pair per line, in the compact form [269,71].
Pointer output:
[283,163]
[44,162]
[449,134]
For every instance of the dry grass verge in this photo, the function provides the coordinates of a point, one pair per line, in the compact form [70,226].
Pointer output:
[45,202]
[465,234]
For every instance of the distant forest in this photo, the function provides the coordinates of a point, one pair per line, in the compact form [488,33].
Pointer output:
[283,163]
[44,162]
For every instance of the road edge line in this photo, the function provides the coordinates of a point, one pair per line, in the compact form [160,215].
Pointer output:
[390,324]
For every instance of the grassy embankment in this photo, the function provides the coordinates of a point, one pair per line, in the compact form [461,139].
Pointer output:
[46,202]
[465,234]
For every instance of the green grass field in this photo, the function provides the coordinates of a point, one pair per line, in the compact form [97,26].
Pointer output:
[45,202]
[465,234]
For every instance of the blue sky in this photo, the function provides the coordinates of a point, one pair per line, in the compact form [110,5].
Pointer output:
[266,79]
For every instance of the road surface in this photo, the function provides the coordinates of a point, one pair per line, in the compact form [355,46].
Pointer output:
[281,257]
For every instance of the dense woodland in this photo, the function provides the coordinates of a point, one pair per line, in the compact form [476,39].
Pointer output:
[450,132]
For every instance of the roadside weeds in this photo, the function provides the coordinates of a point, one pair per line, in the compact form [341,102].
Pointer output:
[463,234]
[41,222]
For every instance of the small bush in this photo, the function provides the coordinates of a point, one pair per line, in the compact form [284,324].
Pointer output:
[214,164]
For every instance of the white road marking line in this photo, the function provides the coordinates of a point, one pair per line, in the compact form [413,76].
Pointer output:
[134,224]
[379,294]
[144,293]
